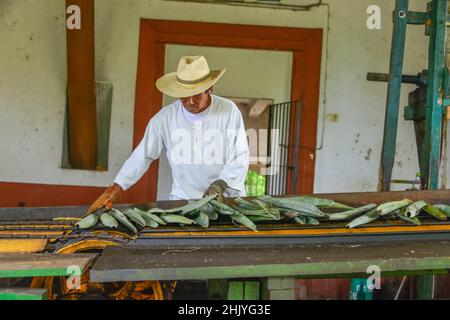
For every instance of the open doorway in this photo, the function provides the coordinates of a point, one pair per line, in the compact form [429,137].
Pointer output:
[256,116]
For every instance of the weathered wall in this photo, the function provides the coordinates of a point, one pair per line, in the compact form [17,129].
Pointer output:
[33,84]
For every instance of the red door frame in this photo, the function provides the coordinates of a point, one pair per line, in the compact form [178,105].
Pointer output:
[306,46]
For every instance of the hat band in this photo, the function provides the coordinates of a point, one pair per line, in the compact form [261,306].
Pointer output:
[194,81]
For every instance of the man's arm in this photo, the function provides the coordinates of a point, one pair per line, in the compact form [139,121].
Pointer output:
[148,150]
[107,199]
[135,166]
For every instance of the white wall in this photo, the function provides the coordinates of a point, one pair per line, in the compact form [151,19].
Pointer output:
[344,163]
[33,84]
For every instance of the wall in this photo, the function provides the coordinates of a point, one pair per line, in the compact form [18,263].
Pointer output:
[33,83]
[350,157]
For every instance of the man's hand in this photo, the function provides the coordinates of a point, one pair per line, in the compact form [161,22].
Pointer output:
[217,187]
[107,199]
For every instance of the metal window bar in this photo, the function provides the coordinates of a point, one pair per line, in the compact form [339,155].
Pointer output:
[278,149]
[297,114]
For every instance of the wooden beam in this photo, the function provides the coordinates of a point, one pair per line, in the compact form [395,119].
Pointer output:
[302,261]
[42,264]
[23,294]
[81,88]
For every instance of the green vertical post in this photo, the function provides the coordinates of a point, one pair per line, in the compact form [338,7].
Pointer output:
[430,157]
[426,287]
[236,290]
[217,289]
[393,94]
[252,290]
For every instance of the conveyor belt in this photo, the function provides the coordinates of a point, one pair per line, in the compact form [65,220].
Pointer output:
[226,234]
[30,223]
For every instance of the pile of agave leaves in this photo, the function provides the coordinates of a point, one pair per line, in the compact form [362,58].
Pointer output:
[301,210]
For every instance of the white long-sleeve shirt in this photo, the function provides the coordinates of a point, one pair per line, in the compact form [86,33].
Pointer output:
[199,153]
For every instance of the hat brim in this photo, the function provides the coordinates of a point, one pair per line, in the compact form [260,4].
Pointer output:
[169,85]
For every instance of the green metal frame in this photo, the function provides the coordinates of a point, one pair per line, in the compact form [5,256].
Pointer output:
[428,114]
[23,294]
[437,86]
[243,290]
[393,93]
[35,272]
[430,157]
[426,287]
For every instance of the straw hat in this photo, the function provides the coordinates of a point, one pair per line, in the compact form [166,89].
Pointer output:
[192,77]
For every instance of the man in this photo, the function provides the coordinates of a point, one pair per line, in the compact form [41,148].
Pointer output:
[203,134]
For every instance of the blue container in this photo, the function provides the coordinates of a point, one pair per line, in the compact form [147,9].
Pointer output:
[359,290]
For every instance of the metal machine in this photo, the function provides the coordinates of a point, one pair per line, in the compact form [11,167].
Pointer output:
[428,103]
[146,265]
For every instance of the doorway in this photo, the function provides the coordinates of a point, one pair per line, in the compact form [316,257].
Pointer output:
[305,46]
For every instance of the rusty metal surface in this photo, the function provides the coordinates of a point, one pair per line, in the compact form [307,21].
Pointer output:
[169,248]
[37,223]
[49,213]
[22,245]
